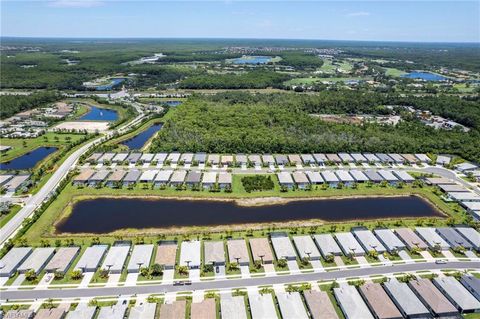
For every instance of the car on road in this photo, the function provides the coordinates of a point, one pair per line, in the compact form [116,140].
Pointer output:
[178,283]
[440,261]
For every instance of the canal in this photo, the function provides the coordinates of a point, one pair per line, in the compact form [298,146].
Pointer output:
[104,215]
[28,160]
[139,140]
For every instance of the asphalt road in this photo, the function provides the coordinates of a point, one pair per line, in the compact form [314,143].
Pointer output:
[36,200]
[232,283]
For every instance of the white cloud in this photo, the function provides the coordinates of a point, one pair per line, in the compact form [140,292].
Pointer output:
[75,3]
[358,14]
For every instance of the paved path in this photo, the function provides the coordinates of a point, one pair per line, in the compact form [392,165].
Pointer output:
[233,283]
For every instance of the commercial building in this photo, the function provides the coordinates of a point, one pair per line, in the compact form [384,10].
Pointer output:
[359,176]
[238,252]
[431,297]
[224,180]
[319,305]
[232,307]
[457,294]
[285,179]
[389,240]
[453,238]
[262,306]
[173,310]
[206,309]
[144,311]
[148,176]
[291,305]
[410,238]
[472,284]
[209,179]
[388,176]
[53,313]
[281,159]
[282,246]
[116,258]
[345,177]
[178,177]
[13,259]
[213,253]
[314,177]
[373,176]
[327,245]
[405,299]
[261,250]
[351,302]
[193,178]
[368,240]
[132,177]
[471,235]
[346,158]
[330,178]
[62,260]
[349,244]
[114,312]
[379,302]
[306,247]
[37,260]
[300,179]
[90,260]
[190,254]
[166,254]
[163,177]
[140,257]
[432,238]
[404,176]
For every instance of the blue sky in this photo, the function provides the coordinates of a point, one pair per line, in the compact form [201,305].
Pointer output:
[424,21]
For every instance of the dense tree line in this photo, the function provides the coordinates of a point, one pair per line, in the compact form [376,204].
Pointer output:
[201,125]
[251,80]
[11,104]
[301,60]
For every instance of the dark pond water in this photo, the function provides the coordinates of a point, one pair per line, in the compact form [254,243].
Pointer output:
[113,84]
[28,160]
[99,114]
[253,60]
[172,103]
[105,215]
[424,76]
[139,140]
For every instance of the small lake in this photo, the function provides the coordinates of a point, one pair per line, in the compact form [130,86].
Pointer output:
[139,140]
[28,160]
[104,215]
[252,60]
[172,103]
[113,84]
[424,76]
[100,114]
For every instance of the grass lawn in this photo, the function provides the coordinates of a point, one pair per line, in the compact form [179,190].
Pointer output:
[13,211]
[21,146]
[394,72]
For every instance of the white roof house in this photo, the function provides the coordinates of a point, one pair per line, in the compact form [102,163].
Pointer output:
[320,158]
[387,175]
[115,259]
[190,254]
[225,178]
[443,160]
[306,248]
[464,196]
[344,176]
[405,299]
[314,177]
[147,157]
[431,237]
[186,158]
[114,312]
[471,235]
[214,252]
[173,157]
[255,159]
[268,159]
[81,312]
[368,240]
[404,176]
[284,178]
[351,302]
[371,157]
[291,305]
[359,158]
[423,158]
[283,248]
[91,258]
[389,239]
[209,178]
[144,311]
[163,176]
[327,245]
[13,259]
[307,158]
[458,295]
[349,244]
[233,307]
[345,157]
[106,157]
[262,306]
[300,178]
[160,157]
[140,257]
[37,260]
[213,159]
[358,176]
[330,177]
[119,157]
[148,176]
[178,177]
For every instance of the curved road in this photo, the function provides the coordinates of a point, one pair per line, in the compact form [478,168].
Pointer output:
[232,283]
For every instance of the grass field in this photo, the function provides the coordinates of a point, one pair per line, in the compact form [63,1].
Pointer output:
[313,80]
[61,207]
[394,72]
[13,211]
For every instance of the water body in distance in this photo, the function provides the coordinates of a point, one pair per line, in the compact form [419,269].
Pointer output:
[424,76]
[252,60]
[104,215]
[99,114]
[139,140]
[28,160]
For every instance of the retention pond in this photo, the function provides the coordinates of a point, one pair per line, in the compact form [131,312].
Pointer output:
[139,140]
[28,160]
[104,215]
[100,114]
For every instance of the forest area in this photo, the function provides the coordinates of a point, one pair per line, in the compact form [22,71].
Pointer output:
[12,104]
[217,125]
